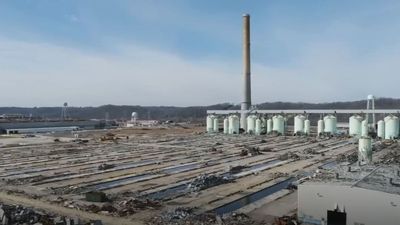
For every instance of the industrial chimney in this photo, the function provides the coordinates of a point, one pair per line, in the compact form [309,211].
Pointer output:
[246,64]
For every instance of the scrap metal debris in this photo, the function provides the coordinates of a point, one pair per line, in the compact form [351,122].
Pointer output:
[19,215]
[206,181]
[184,216]
[250,151]
[286,220]
[392,157]
[106,166]
[289,155]
[237,169]
[123,208]
[351,158]
[129,207]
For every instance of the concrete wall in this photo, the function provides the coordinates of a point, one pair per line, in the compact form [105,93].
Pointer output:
[362,206]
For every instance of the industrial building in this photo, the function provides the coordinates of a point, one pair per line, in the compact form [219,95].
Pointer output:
[351,195]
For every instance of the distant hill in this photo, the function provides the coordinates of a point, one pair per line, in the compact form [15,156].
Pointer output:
[123,112]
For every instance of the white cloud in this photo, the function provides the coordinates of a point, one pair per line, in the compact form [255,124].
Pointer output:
[42,74]
[46,75]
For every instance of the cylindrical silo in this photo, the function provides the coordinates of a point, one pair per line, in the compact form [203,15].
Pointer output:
[278,124]
[258,129]
[234,124]
[307,127]
[226,126]
[381,129]
[365,149]
[216,124]
[251,124]
[269,126]
[330,124]
[264,125]
[210,123]
[320,127]
[355,125]
[364,128]
[299,124]
[391,127]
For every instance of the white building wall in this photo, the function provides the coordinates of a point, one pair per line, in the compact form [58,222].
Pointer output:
[363,206]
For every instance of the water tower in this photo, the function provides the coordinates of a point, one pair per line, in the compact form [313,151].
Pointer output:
[134,117]
[64,111]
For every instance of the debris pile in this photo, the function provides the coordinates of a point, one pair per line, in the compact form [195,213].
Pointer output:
[351,158]
[129,207]
[19,215]
[286,220]
[106,166]
[289,155]
[392,157]
[310,151]
[109,137]
[122,208]
[278,174]
[26,180]
[206,181]
[250,151]
[184,216]
[215,150]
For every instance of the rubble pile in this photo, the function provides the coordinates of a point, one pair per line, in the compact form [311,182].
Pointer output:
[206,181]
[392,157]
[289,155]
[19,215]
[310,151]
[250,151]
[129,207]
[351,158]
[185,216]
[26,180]
[277,175]
[215,150]
[123,208]
[286,220]
[106,166]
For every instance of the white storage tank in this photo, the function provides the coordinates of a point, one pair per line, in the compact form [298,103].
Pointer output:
[269,126]
[226,126]
[391,127]
[264,124]
[234,124]
[210,123]
[355,125]
[364,128]
[251,124]
[330,124]
[365,149]
[216,124]
[307,127]
[299,124]
[258,129]
[320,127]
[381,129]
[278,124]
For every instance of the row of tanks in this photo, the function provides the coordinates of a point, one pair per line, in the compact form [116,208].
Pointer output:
[388,128]
[256,124]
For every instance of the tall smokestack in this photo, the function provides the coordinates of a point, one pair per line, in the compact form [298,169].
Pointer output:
[246,64]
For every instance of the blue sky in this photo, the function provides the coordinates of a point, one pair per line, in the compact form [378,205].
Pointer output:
[187,52]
